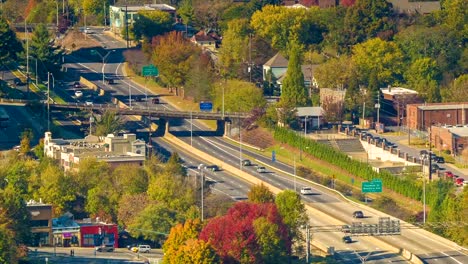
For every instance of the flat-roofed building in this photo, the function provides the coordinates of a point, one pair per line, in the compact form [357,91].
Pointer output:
[423,116]
[41,222]
[115,150]
[394,101]
[450,138]
[117,14]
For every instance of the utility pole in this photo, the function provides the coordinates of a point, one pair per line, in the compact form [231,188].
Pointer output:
[377,105]
[250,56]
[126,23]
[27,57]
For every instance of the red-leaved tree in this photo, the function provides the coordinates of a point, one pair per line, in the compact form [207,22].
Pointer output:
[237,240]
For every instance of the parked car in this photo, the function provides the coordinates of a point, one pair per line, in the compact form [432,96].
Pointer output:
[78,94]
[439,160]
[141,249]
[246,162]
[449,174]
[105,248]
[306,190]
[89,102]
[459,181]
[77,85]
[358,214]
[434,167]
[347,239]
[261,169]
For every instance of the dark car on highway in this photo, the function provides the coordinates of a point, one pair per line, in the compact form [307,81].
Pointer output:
[347,239]
[17,81]
[109,81]
[358,214]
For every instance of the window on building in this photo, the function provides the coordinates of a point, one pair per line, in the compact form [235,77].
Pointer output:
[88,240]
[39,223]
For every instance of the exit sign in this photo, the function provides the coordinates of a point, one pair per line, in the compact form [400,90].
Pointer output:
[374,186]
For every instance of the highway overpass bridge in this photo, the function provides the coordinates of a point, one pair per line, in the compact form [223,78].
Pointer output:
[223,121]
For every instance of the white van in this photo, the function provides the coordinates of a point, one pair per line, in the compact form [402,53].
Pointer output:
[144,248]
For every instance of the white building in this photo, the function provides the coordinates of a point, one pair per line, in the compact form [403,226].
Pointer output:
[114,150]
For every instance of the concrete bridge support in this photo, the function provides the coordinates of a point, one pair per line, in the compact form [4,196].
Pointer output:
[220,127]
[163,127]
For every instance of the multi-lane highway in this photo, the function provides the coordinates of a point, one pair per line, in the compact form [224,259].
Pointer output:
[431,248]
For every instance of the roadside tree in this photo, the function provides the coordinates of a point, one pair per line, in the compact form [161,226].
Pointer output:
[378,63]
[186,12]
[41,49]
[200,78]
[130,206]
[239,96]
[178,236]
[107,123]
[173,54]
[150,24]
[234,51]
[367,19]
[423,76]
[235,238]
[154,222]
[9,44]
[260,193]
[294,93]
[196,251]
[8,245]
[293,212]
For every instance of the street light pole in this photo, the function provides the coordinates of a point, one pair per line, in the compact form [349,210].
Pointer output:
[294,173]
[48,101]
[201,167]
[191,128]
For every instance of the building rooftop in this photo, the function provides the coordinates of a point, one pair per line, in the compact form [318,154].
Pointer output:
[150,7]
[443,106]
[397,91]
[309,111]
[277,61]
[461,131]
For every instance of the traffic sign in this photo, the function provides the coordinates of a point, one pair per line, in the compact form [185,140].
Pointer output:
[206,106]
[150,70]
[375,186]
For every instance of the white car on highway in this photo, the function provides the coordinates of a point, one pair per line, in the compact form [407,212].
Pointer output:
[306,190]
[78,94]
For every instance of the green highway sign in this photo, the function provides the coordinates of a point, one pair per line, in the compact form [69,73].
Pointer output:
[150,70]
[374,186]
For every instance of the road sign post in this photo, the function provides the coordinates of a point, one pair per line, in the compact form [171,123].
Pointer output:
[374,186]
[206,106]
[150,70]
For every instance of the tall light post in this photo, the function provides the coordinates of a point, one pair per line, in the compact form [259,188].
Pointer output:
[294,173]
[95,52]
[191,128]
[424,158]
[201,167]
[48,101]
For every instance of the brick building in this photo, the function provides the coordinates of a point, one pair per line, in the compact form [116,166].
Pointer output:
[453,139]
[423,116]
